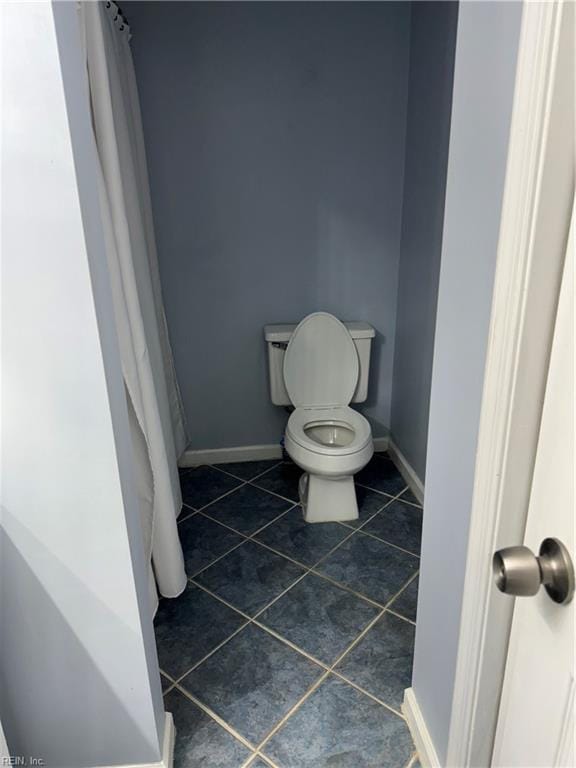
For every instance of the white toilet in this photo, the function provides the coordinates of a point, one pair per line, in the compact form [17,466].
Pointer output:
[320,366]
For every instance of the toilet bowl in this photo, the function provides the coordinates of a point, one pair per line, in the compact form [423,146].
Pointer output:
[324,436]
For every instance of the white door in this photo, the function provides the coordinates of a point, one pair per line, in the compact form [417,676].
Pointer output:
[536,718]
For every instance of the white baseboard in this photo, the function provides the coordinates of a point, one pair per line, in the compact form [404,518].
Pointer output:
[192,458]
[381,443]
[167,760]
[169,739]
[417,725]
[407,471]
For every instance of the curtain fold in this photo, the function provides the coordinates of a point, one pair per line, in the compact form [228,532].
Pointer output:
[154,405]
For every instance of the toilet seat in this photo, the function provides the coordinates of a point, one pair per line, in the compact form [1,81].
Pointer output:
[321,372]
[321,365]
[303,426]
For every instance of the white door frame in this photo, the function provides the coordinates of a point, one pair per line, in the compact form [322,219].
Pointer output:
[537,198]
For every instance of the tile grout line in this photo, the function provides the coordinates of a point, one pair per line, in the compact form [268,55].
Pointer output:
[253,620]
[251,761]
[244,537]
[231,474]
[273,493]
[399,616]
[306,567]
[262,527]
[242,483]
[330,670]
[240,543]
[383,493]
[360,528]
[412,504]
[413,760]
[332,667]
[351,591]
[220,645]
[192,512]
[252,482]
[249,620]
[314,687]
[367,693]
[294,504]
[300,563]
[256,751]
[378,511]
[372,623]
[216,718]
[307,570]
[213,562]
[223,496]
[388,543]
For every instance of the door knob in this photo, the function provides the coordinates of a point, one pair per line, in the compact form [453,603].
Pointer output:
[517,571]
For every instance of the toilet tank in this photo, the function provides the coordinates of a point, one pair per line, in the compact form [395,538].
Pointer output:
[277,338]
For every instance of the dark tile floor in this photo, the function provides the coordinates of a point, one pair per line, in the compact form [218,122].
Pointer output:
[292,645]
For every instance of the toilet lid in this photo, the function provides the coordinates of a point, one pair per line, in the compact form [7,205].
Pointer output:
[321,363]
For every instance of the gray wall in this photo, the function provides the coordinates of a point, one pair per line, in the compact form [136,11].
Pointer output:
[432,45]
[79,680]
[275,140]
[482,102]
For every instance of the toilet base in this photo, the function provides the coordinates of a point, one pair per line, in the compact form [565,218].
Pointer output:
[328,499]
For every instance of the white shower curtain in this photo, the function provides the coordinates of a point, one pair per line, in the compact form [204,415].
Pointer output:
[154,405]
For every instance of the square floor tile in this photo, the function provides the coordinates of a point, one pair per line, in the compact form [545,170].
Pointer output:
[203,541]
[247,509]
[381,474]
[250,577]
[305,542]
[399,524]
[252,681]
[282,480]
[407,601]
[319,617]
[370,567]
[409,496]
[339,727]
[381,663]
[369,502]
[247,470]
[200,741]
[202,485]
[190,626]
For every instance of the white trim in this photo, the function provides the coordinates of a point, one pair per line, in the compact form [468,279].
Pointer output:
[406,470]
[381,443]
[523,309]
[167,760]
[420,734]
[169,740]
[193,458]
